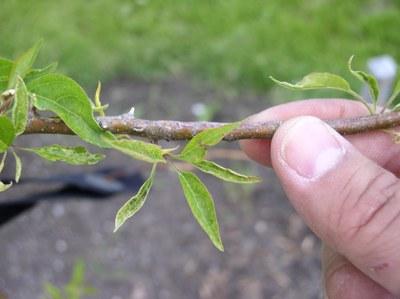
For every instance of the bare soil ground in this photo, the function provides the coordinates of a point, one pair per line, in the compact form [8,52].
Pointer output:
[162,253]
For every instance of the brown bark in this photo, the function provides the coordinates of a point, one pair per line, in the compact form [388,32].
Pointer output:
[177,130]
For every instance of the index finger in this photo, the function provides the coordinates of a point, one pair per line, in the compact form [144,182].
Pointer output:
[376,145]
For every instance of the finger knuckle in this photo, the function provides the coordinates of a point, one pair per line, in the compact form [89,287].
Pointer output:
[362,205]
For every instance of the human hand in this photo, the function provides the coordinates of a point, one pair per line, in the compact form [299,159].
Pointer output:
[346,190]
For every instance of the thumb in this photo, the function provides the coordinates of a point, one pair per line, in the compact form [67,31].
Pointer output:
[349,201]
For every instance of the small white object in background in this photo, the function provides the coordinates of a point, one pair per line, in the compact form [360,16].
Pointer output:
[131,112]
[199,109]
[202,112]
[384,69]
[205,111]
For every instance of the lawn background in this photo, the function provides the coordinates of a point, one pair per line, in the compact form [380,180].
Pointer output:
[231,44]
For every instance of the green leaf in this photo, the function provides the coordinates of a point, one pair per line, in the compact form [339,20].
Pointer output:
[66,98]
[98,107]
[395,94]
[133,205]
[23,64]
[7,133]
[368,79]
[37,73]
[225,173]
[4,187]
[70,155]
[202,206]
[320,81]
[18,167]
[2,162]
[5,69]
[20,108]
[196,149]
[140,150]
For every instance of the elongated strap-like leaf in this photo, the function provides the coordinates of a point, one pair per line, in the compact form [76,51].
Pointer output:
[67,99]
[366,78]
[133,205]
[140,150]
[20,108]
[23,64]
[4,187]
[195,150]
[225,174]
[2,162]
[395,94]
[70,155]
[7,133]
[18,167]
[201,205]
[99,108]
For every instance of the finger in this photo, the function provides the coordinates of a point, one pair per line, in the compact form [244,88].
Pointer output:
[377,146]
[323,109]
[344,281]
[349,201]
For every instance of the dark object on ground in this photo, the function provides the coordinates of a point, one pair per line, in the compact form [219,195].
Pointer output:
[99,185]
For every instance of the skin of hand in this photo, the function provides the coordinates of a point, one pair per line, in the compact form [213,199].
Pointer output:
[346,190]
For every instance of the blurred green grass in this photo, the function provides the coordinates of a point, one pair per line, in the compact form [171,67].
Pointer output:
[232,43]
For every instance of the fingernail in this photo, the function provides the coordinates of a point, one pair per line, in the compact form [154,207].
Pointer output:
[311,148]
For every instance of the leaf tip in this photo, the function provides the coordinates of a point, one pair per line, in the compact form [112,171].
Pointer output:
[256,179]
[117,225]
[350,62]
[274,80]
[283,83]
[220,246]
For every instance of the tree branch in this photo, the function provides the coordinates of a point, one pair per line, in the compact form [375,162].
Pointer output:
[178,130]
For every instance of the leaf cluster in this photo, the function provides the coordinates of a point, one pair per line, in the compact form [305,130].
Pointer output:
[26,91]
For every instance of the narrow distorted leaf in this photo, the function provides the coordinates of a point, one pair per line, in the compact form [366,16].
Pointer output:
[70,155]
[23,64]
[98,107]
[5,69]
[319,81]
[20,107]
[133,205]
[395,94]
[140,150]
[7,133]
[4,187]
[366,78]
[66,98]
[225,174]
[18,167]
[195,150]
[37,73]
[2,162]
[202,206]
